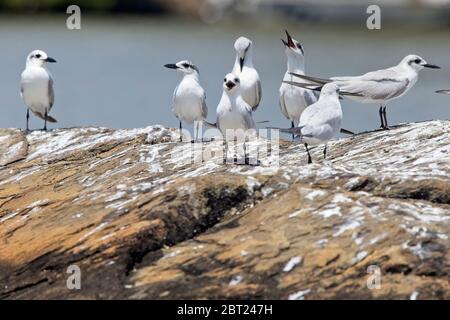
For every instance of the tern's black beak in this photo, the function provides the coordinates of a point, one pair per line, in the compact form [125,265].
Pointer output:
[431,66]
[290,43]
[171,66]
[51,60]
[241,63]
[230,85]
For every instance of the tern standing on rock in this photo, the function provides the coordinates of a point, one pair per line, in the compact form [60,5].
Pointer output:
[234,114]
[321,121]
[293,99]
[249,78]
[189,98]
[37,87]
[379,86]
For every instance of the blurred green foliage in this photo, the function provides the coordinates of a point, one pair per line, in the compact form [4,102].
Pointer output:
[97,5]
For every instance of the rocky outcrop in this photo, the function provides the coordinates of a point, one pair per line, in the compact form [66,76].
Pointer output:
[141,220]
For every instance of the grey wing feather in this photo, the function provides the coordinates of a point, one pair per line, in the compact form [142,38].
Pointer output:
[249,122]
[380,89]
[204,107]
[311,97]
[283,106]
[369,76]
[51,93]
[258,95]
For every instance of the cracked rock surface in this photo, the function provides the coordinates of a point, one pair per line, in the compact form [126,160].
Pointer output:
[142,221]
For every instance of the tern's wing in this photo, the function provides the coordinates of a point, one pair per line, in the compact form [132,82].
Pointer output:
[51,92]
[204,107]
[174,97]
[391,73]
[258,94]
[376,89]
[311,96]
[247,113]
[283,104]
[249,122]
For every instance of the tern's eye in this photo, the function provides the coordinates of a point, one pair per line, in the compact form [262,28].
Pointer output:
[185,65]
[225,80]
[236,80]
[417,61]
[38,56]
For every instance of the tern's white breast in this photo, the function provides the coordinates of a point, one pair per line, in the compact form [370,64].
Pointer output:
[249,85]
[35,91]
[233,114]
[188,102]
[294,101]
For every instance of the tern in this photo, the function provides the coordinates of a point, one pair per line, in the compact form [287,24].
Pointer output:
[379,86]
[321,121]
[36,87]
[189,98]
[234,114]
[293,99]
[250,84]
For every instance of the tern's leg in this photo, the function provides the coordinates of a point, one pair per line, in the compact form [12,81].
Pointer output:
[309,155]
[386,126]
[225,151]
[325,152]
[197,124]
[45,120]
[28,118]
[381,117]
[292,126]
[181,132]
[246,159]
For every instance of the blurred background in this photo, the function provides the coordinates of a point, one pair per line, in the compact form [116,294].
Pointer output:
[110,73]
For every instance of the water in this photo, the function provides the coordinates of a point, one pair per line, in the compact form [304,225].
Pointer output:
[111,72]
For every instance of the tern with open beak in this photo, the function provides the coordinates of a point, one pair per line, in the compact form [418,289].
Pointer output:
[294,99]
[321,121]
[234,114]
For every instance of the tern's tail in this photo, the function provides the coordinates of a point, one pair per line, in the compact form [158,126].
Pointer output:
[49,118]
[295,130]
[345,131]
[312,79]
[209,124]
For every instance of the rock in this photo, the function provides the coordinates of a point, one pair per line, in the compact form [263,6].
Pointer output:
[142,221]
